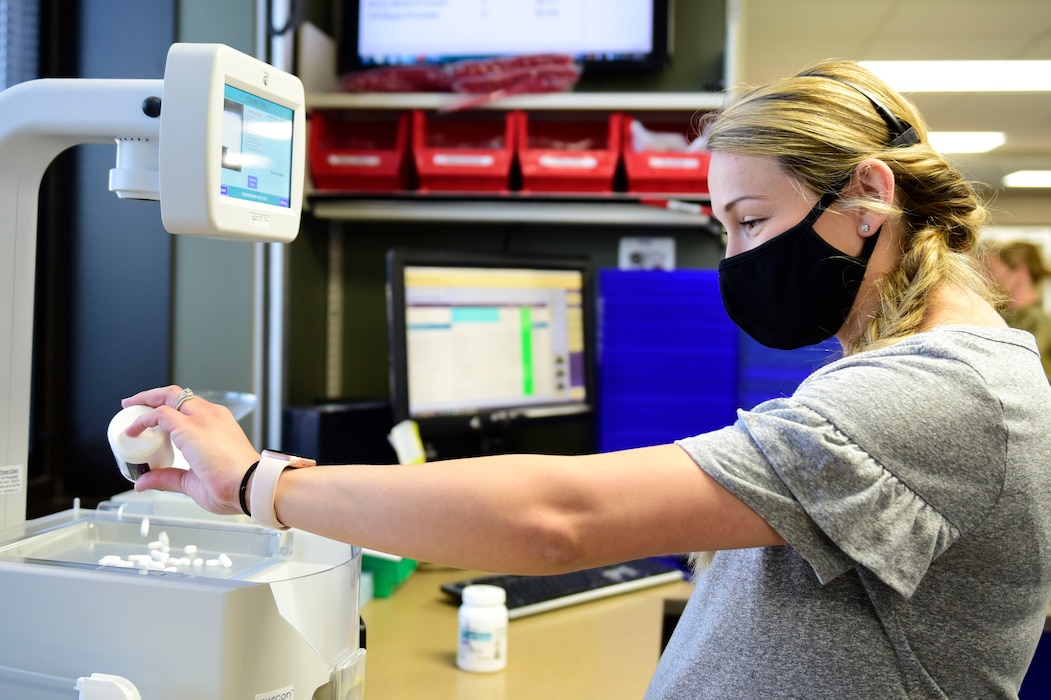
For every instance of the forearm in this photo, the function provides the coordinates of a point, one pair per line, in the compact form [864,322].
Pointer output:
[492,513]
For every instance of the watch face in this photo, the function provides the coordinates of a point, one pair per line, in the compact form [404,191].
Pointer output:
[293,460]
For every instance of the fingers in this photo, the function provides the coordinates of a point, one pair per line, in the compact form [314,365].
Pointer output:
[188,482]
[180,400]
[171,479]
[160,396]
[162,417]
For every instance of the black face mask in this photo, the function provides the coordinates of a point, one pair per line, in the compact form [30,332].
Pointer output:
[795,289]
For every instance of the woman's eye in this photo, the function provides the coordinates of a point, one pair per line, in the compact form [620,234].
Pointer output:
[749,224]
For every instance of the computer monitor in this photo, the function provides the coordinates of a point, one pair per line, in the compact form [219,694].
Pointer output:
[611,35]
[479,342]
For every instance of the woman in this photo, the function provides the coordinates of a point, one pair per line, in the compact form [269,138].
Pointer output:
[1018,267]
[881,533]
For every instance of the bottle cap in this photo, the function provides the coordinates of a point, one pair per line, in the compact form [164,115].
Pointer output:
[483,594]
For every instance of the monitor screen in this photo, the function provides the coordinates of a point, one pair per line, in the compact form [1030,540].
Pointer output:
[482,340]
[614,34]
[257,149]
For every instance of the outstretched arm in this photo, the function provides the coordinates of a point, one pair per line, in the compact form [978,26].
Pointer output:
[509,513]
[525,513]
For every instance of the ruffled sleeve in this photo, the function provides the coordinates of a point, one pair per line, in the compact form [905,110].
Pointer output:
[863,468]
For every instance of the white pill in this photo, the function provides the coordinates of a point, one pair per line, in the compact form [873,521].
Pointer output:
[164,539]
[139,557]
[225,560]
[170,568]
[144,528]
[190,549]
[212,562]
[198,561]
[156,544]
[159,555]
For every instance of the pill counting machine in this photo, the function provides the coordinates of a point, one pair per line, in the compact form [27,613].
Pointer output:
[254,613]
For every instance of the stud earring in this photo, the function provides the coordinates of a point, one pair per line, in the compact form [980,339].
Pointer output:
[864,228]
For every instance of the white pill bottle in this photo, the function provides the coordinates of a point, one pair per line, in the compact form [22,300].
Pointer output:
[483,629]
[151,449]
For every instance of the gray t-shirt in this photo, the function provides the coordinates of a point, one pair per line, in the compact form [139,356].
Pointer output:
[911,484]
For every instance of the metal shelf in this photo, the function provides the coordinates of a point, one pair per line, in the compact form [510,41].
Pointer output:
[599,101]
[617,211]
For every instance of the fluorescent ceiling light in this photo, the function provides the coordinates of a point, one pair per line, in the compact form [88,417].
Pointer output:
[965,141]
[964,76]
[1028,178]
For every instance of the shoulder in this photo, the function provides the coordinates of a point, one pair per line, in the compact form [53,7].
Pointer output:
[949,364]
[914,386]
[937,410]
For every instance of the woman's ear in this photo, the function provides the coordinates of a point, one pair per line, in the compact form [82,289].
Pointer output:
[872,180]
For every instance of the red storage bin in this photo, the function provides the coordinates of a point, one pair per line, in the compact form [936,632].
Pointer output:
[463,152]
[568,153]
[359,151]
[666,172]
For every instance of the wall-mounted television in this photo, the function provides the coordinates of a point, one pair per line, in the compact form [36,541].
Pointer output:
[603,35]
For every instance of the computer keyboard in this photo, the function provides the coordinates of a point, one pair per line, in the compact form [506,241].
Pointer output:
[528,595]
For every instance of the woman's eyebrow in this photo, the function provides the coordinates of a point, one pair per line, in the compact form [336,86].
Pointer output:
[732,204]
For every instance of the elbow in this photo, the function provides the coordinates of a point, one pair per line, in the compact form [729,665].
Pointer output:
[556,546]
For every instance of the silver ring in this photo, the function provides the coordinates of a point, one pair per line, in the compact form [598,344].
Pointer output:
[184,396]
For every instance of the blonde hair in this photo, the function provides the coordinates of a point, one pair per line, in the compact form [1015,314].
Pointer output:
[820,124]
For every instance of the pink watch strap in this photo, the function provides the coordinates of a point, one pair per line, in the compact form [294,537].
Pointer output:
[264,486]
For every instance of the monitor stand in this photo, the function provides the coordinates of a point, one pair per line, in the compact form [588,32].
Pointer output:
[562,435]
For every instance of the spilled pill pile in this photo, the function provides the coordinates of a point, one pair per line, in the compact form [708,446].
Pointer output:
[161,556]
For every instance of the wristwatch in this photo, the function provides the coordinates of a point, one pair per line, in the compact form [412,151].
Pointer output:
[264,485]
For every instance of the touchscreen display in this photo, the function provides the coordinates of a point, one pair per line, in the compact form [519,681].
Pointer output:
[256,149]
